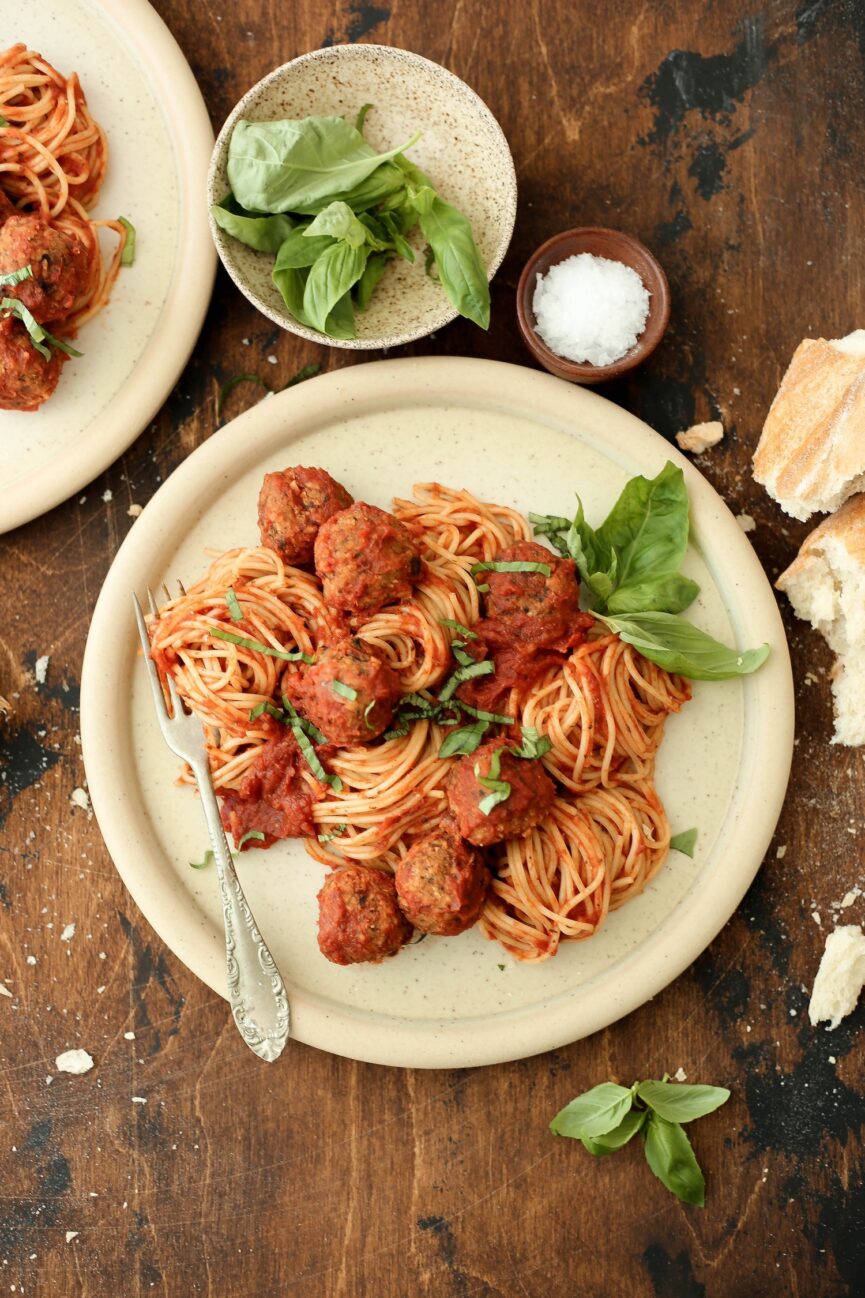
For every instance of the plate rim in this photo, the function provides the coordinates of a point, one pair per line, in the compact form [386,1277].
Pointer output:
[767,751]
[113,430]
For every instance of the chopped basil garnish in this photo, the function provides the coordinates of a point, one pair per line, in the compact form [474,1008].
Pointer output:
[233,607]
[304,743]
[39,336]
[366,721]
[306,726]
[495,718]
[305,372]
[534,744]
[459,652]
[344,691]
[482,588]
[127,257]
[684,842]
[3,121]
[500,790]
[462,742]
[332,833]
[289,656]
[464,631]
[202,865]
[511,565]
[227,388]
[485,668]
[269,709]
[13,277]
[251,834]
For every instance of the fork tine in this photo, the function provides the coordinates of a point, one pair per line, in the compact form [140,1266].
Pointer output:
[151,603]
[153,674]
[177,708]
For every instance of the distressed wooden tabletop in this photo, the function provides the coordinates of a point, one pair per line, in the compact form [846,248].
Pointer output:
[729,137]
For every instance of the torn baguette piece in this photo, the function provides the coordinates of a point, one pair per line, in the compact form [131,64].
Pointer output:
[811,453]
[825,583]
[700,437]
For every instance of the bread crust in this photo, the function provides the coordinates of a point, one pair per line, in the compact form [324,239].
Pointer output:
[846,526]
[811,453]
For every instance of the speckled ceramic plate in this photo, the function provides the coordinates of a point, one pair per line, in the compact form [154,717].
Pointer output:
[462,150]
[528,440]
[142,91]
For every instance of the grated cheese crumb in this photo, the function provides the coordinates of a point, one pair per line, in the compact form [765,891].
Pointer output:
[4,991]
[840,977]
[70,1235]
[40,669]
[700,437]
[81,798]
[68,933]
[107,495]
[74,1061]
[781,852]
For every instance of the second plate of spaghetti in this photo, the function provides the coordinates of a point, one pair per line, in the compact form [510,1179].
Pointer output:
[407,701]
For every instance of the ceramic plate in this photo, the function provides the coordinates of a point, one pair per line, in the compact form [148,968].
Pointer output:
[462,149]
[142,91]
[524,439]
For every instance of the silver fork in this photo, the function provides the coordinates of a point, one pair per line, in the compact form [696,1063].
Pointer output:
[255,988]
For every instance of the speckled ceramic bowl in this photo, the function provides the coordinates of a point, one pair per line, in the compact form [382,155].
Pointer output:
[463,150]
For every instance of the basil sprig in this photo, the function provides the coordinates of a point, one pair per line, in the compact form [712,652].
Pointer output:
[608,1116]
[630,568]
[287,655]
[40,337]
[335,212]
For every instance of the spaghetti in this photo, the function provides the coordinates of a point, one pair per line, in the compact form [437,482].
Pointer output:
[600,704]
[53,157]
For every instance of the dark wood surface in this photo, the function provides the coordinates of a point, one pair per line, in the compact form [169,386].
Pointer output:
[729,137]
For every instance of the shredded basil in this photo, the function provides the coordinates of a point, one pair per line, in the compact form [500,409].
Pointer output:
[13,277]
[485,668]
[534,744]
[202,865]
[369,707]
[462,742]
[459,652]
[227,388]
[289,656]
[333,833]
[494,717]
[269,709]
[233,606]
[127,257]
[304,743]
[39,336]
[251,834]
[344,691]
[465,632]
[500,790]
[684,842]
[511,565]
[3,121]
[305,372]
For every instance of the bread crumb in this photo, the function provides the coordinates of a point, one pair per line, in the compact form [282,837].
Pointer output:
[139,1099]
[680,1075]
[128,1036]
[848,898]
[134,510]
[781,852]
[74,1061]
[68,933]
[746,522]
[40,669]
[4,991]
[840,977]
[699,437]
[70,1235]
[80,798]
[107,495]
[815,915]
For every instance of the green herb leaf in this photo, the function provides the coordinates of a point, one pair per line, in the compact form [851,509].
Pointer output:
[361,117]
[299,250]
[36,333]
[429,263]
[534,744]
[251,835]
[60,343]
[459,743]
[548,524]
[291,717]
[459,652]
[679,646]
[594,1113]
[202,865]
[330,280]
[289,656]
[485,668]
[227,388]
[270,709]
[677,1102]
[684,842]
[234,608]
[375,267]
[310,756]
[464,631]
[263,233]
[13,277]
[511,565]
[619,1136]
[496,718]
[671,1158]
[305,372]
[338,221]
[344,691]
[668,593]
[284,166]
[369,707]
[647,528]
[127,257]
[332,833]
[460,270]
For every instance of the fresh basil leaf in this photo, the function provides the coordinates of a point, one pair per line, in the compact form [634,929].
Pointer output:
[202,865]
[511,565]
[647,528]
[667,593]
[287,655]
[340,322]
[459,743]
[594,1113]
[382,186]
[533,746]
[299,250]
[464,631]
[495,718]
[671,1158]
[679,646]
[596,562]
[264,233]
[251,835]
[361,117]
[332,833]
[13,277]
[462,274]
[429,264]
[344,691]
[679,1102]
[684,842]
[234,609]
[127,257]
[338,221]
[500,791]
[375,267]
[619,1136]
[546,524]
[284,166]
[394,234]
[331,279]
[485,668]
[291,282]
[60,343]
[36,333]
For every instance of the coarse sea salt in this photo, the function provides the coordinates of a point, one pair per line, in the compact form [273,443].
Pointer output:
[590,309]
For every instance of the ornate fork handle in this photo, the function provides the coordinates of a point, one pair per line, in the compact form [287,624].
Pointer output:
[256,991]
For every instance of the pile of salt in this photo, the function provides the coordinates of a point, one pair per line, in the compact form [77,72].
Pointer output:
[590,309]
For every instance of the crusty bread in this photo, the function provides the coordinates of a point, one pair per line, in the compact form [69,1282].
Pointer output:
[825,583]
[811,453]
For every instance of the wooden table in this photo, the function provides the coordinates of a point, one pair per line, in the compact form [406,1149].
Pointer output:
[729,139]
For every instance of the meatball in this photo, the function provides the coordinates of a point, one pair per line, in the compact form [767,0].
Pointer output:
[60,263]
[26,378]
[358,916]
[552,603]
[365,559]
[292,505]
[349,692]
[530,798]
[442,882]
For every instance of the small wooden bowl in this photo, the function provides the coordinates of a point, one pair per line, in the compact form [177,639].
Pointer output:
[615,246]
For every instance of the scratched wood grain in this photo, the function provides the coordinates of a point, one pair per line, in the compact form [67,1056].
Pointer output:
[729,137]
